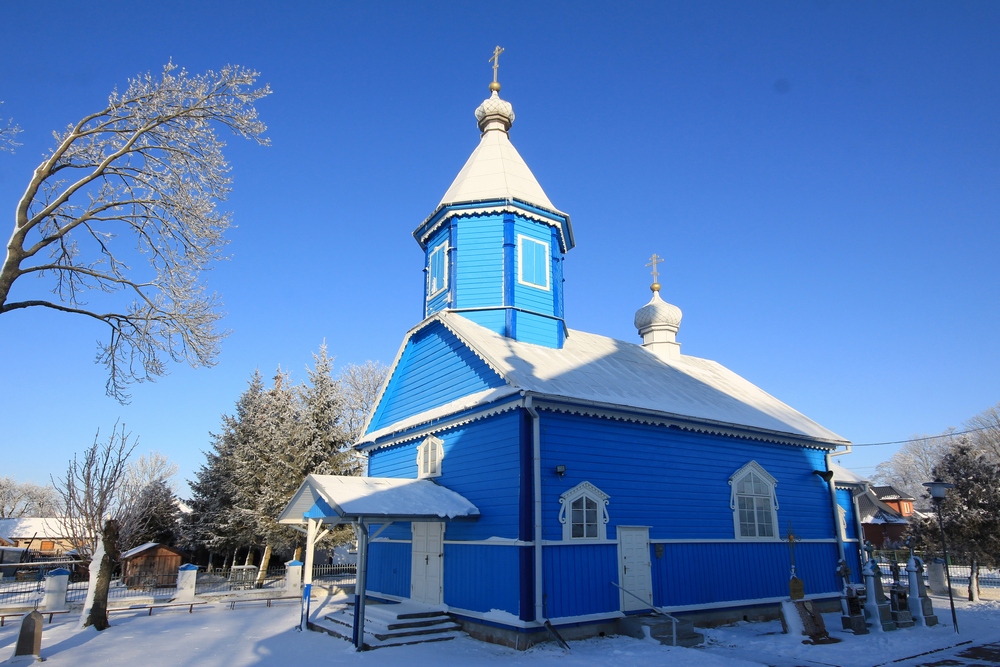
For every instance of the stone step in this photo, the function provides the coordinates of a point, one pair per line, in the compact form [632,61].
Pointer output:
[400,611]
[343,622]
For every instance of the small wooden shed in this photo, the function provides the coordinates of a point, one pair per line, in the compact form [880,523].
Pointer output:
[151,565]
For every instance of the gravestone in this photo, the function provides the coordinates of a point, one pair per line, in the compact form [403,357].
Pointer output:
[921,607]
[876,605]
[899,607]
[29,640]
[803,617]
[852,616]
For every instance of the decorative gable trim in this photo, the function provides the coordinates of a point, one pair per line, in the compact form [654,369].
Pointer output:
[760,508]
[757,468]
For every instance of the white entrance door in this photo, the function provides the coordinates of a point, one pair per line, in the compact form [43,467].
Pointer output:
[634,568]
[427,568]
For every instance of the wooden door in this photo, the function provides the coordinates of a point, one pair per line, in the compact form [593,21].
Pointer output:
[634,568]
[427,564]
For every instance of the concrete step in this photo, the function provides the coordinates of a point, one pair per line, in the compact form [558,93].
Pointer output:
[392,624]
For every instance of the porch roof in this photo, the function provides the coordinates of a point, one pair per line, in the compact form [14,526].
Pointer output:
[339,499]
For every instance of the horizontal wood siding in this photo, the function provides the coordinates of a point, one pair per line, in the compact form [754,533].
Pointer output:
[526,297]
[481,578]
[578,579]
[435,368]
[480,266]
[690,574]
[845,500]
[441,300]
[494,320]
[539,330]
[389,568]
[480,462]
[674,481]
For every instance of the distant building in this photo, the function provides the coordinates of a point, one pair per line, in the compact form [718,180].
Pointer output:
[150,565]
[47,536]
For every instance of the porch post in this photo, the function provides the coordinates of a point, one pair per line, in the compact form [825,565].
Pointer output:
[312,527]
[361,585]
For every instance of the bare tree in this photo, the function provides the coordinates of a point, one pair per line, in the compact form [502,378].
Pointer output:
[8,130]
[360,384]
[913,464]
[985,429]
[146,171]
[25,499]
[135,496]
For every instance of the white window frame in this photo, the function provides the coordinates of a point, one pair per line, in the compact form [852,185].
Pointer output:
[443,249]
[430,456]
[521,238]
[584,490]
[772,506]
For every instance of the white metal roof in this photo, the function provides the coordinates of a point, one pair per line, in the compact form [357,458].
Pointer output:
[617,374]
[495,170]
[376,499]
[25,528]
[139,549]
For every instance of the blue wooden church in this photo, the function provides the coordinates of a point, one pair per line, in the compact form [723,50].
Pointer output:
[609,476]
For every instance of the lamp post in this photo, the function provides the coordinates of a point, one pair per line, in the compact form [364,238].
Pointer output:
[938,490]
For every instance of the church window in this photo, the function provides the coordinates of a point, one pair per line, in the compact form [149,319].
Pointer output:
[437,270]
[533,259]
[584,513]
[754,503]
[430,453]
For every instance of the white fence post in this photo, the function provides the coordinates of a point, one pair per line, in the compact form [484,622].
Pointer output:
[293,577]
[56,586]
[187,577]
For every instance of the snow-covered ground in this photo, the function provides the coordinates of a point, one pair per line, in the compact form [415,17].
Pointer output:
[256,635]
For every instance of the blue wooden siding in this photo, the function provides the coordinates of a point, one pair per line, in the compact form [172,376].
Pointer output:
[526,296]
[578,579]
[479,276]
[435,368]
[389,568]
[494,320]
[539,330]
[845,500]
[441,300]
[481,462]
[675,481]
[690,574]
[481,578]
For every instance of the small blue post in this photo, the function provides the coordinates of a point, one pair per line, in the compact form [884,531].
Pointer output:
[306,594]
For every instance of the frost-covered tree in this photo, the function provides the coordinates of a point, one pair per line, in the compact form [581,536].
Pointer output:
[913,465]
[360,384]
[123,212]
[153,517]
[25,499]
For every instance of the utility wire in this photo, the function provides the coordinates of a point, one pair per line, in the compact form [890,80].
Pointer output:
[923,437]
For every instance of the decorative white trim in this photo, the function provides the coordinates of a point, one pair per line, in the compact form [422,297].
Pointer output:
[757,469]
[586,618]
[733,540]
[392,540]
[430,457]
[521,238]
[584,490]
[444,426]
[493,542]
[443,249]
[753,602]
[566,241]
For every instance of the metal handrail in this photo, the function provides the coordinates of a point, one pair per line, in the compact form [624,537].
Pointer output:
[673,619]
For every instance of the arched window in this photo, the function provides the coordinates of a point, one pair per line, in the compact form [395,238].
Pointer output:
[584,513]
[754,503]
[430,453]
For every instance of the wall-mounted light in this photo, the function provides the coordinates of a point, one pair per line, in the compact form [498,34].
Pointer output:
[560,470]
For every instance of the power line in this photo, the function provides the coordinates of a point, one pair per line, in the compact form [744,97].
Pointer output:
[927,437]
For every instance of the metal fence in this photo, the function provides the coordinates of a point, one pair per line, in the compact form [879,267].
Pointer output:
[960,574]
[239,578]
[337,575]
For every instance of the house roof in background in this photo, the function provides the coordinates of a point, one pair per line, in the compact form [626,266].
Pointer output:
[890,493]
[46,527]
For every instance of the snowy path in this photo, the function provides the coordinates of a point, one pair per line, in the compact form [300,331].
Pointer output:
[251,636]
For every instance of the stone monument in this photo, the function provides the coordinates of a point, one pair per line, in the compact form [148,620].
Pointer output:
[920,605]
[898,606]
[29,640]
[876,604]
[852,615]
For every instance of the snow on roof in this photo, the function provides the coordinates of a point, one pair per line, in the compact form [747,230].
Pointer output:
[845,476]
[614,373]
[889,492]
[874,511]
[375,498]
[495,170]
[26,528]
[139,549]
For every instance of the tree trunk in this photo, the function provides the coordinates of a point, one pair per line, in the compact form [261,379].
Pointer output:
[249,560]
[298,553]
[263,564]
[98,616]
[973,580]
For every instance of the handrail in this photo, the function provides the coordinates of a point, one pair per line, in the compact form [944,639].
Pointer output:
[673,619]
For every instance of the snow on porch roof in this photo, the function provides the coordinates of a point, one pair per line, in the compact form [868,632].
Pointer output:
[335,498]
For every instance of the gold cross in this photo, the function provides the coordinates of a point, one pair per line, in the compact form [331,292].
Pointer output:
[496,61]
[653,261]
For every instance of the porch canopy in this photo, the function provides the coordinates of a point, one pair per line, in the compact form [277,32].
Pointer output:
[362,502]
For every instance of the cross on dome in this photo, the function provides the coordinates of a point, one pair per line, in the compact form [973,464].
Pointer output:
[653,261]
[495,86]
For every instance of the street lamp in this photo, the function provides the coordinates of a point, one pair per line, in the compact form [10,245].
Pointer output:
[938,490]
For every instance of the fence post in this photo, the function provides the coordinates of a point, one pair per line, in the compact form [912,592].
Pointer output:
[187,577]
[293,577]
[56,586]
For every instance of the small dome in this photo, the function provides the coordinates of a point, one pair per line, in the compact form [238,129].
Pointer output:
[496,110]
[658,313]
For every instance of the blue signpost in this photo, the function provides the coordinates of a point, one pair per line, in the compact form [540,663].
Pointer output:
[306,593]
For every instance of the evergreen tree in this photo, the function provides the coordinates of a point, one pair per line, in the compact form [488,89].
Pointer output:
[156,517]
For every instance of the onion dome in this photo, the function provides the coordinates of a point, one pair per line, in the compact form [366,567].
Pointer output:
[495,113]
[658,322]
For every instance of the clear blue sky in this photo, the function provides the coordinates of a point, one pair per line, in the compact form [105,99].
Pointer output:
[822,177]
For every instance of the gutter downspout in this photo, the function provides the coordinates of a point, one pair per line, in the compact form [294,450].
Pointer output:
[836,507]
[536,452]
